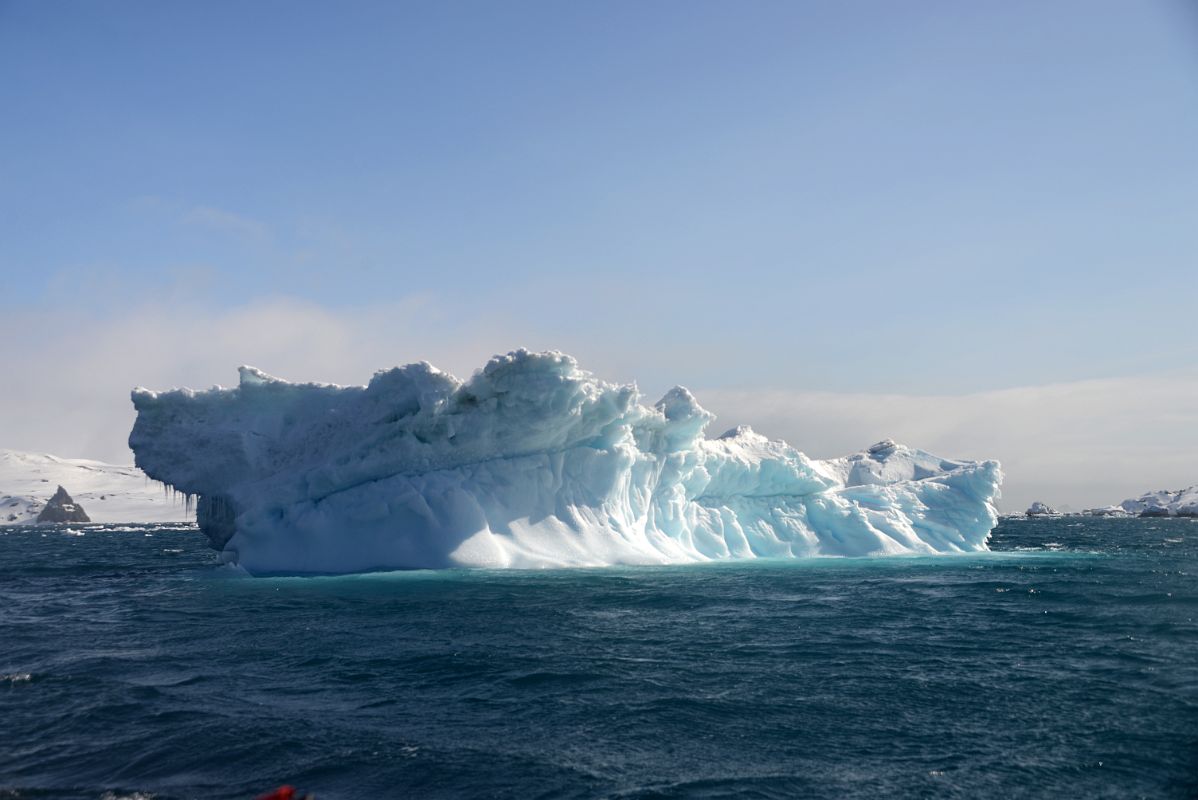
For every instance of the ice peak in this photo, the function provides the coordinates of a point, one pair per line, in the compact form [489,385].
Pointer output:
[741,432]
[883,447]
[252,376]
[680,404]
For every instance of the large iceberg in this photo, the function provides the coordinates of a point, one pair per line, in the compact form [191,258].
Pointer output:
[532,462]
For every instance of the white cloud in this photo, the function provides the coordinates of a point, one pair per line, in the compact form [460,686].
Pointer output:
[218,219]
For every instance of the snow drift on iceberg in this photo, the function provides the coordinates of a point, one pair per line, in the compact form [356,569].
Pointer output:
[532,462]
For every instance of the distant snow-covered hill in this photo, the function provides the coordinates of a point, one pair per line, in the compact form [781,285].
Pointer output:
[107,492]
[1163,503]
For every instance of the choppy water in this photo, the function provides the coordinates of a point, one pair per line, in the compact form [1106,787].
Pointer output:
[1063,665]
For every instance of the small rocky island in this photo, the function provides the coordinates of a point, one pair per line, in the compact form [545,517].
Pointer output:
[62,508]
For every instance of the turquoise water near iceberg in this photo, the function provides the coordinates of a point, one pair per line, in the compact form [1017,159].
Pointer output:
[1065,663]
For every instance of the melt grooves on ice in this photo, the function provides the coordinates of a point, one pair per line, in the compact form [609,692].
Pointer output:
[532,462]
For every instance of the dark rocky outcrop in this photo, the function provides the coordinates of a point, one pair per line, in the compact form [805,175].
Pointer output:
[62,508]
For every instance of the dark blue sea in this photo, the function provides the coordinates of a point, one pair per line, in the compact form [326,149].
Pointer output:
[1064,664]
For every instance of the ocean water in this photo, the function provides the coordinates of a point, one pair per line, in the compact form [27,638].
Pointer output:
[1064,664]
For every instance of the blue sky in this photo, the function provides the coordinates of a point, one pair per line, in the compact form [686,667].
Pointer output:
[924,198]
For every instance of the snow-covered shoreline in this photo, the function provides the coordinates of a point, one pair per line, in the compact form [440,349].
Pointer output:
[1163,503]
[110,493]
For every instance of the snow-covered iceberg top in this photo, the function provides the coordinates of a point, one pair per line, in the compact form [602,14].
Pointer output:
[531,462]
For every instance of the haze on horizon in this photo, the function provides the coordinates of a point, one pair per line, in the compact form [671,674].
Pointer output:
[970,227]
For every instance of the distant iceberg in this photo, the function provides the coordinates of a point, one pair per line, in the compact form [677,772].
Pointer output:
[1038,509]
[531,462]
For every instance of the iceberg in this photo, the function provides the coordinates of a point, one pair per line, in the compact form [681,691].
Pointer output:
[1105,511]
[1038,509]
[532,462]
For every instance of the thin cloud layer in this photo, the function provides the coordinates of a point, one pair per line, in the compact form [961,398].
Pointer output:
[218,219]
[1078,444]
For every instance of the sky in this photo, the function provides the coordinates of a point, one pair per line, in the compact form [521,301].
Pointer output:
[972,227]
